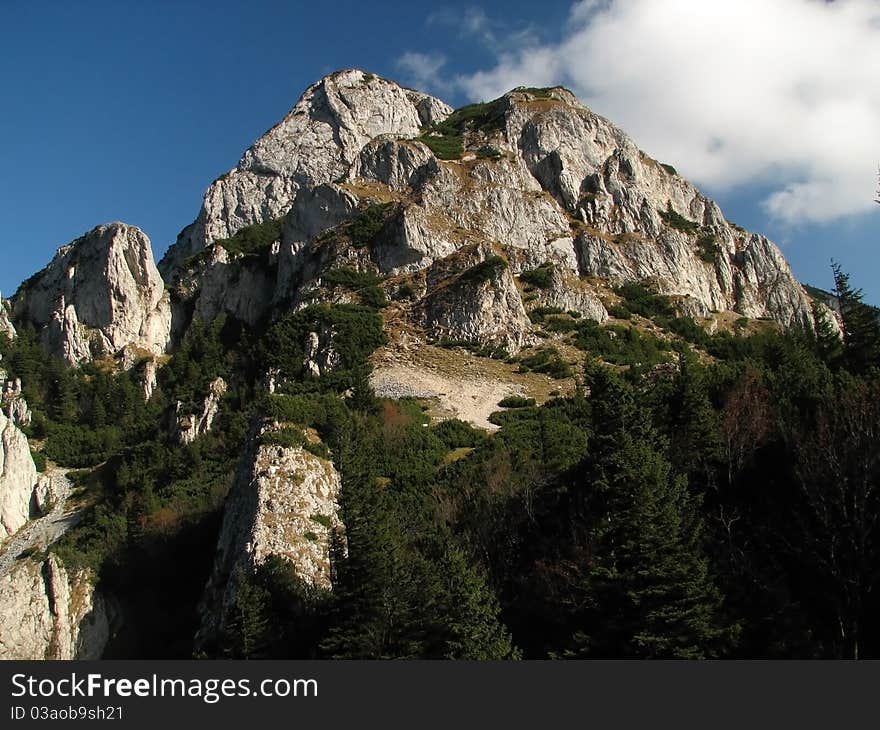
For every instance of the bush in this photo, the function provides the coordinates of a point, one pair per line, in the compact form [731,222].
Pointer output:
[516,401]
[675,220]
[484,271]
[485,116]
[619,311]
[686,328]
[39,460]
[319,449]
[489,153]
[254,239]
[456,434]
[707,248]
[542,277]
[620,345]
[639,299]
[364,229]
[538,314]
[546,360]
[669,168]
[444,147]
[356,333]
[287,437]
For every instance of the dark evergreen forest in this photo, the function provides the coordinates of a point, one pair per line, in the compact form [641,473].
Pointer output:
[699,495]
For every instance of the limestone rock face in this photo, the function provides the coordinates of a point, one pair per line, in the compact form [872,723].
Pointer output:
[102,291]
[541,181]
[6,327]
[283,503]
[13,403]
[640,220]
[48,492]
[149,378]
[479,304]
[17,478]
[190,425]
[47,613]
[315,143]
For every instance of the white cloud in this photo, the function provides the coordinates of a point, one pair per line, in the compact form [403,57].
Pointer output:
[423,70]
[732,92]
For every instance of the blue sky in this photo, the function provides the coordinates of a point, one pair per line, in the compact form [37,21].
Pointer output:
[127,110]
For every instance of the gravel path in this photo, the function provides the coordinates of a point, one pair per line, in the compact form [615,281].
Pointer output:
[42,532]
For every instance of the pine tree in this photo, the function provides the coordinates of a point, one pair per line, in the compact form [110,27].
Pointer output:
[828,345]
[693,426]
[471,613]
[248,628]
[380,591]
[861,328]
[646,590]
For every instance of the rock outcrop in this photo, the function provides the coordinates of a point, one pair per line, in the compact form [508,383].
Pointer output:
[6,326]
[190,425]
[315,143]
[12,401]
[47,613]
[478,304]
[17,478]
[283,503]
[102,293]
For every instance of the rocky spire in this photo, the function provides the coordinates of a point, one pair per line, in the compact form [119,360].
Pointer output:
[315,143]
[102,293]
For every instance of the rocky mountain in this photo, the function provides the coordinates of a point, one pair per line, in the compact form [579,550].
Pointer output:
[315,143]
[373,237]
[101,294]
[534,178]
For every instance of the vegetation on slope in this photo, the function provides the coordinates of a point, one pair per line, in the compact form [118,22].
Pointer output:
[701,510]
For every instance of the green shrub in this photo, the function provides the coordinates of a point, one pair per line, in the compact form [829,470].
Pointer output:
[322,520]
[350,278]
[620,345]
[488,152]
[319,449]
[686,328]
[516,401]
[539,314]
[542,277]
[364,229]
[540,93]
[484,271]
[561,324]
[286,437]
[39,460]
[485,116]
[669,168]
[446,139]
[546,360]
[456,434]
[678,221]
[253,240]
[707,248]
[619,311]
[639,299]
[444,147]
[356,333]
